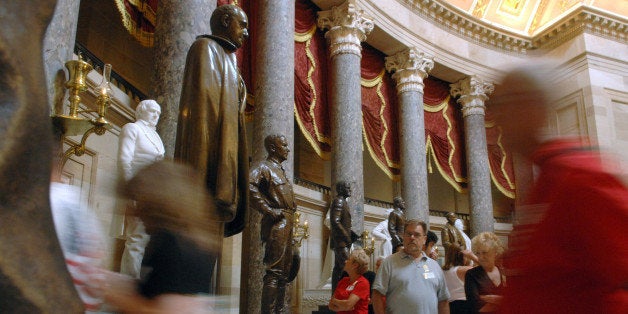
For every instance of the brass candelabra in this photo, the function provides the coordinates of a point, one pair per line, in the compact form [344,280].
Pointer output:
[299,231]
[368,249]
[72,124]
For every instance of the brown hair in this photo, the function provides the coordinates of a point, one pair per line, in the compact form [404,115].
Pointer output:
[172,197]
[453,256]
[416,222]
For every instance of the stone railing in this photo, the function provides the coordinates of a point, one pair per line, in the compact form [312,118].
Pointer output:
[383,204]
[116,79]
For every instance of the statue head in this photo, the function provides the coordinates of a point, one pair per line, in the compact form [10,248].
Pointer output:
[277,147]
[451,218]
[148,111]
[230,23]
[399,203]
[343,188]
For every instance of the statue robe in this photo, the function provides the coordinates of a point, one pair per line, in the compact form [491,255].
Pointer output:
[211,134]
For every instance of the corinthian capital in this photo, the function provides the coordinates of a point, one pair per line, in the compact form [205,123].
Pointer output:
[347,27]
[411,67]
[472,92]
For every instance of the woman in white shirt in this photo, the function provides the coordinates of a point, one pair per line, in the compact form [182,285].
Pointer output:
[457,263]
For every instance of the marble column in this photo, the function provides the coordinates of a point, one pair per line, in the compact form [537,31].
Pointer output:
[411,67]
[273,59]
[178,24]
[347,28]
[472,92]
[58,49]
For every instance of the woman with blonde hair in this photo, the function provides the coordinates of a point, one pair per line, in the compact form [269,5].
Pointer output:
[176,210]
[483,284]
[353,292]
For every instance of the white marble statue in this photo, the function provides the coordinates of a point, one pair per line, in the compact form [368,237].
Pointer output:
[380,232]
[139,146]
[459,225]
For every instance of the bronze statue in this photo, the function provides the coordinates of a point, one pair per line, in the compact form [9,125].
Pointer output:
[210,133]
[34,277]
[271,193]
[341,234]
[451,234]
[396,222]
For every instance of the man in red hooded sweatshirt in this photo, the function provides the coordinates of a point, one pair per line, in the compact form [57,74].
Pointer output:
[569,252]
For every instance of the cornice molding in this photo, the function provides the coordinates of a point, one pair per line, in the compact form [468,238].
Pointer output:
[584,19]
[462,24]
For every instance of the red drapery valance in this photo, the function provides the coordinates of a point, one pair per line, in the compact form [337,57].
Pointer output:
[443,118]
[443,133]
[379,111]
[138,17]
[310,79]
[502,172]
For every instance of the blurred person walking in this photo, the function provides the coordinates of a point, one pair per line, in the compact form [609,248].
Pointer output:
[567,254]
[173,204]
[81,240]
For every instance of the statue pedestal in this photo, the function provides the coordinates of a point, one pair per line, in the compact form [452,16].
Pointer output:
[315,300]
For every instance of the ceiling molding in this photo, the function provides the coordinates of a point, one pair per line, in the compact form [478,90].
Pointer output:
[583,19]
[575,22]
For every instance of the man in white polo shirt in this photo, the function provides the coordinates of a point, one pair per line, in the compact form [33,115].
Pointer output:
[411,282]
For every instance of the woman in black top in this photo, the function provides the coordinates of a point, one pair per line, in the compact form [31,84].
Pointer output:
[483,284]
[174,206]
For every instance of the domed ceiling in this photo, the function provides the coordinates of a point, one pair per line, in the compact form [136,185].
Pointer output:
[527,17]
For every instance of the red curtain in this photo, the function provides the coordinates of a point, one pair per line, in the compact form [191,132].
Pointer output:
[310,79]
[380,111]
[138,17]
[443,133]
[501,163]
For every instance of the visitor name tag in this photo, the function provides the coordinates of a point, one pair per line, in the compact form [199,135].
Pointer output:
[352,286]
[429,275]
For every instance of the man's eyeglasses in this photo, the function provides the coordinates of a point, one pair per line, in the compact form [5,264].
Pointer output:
[413,234]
